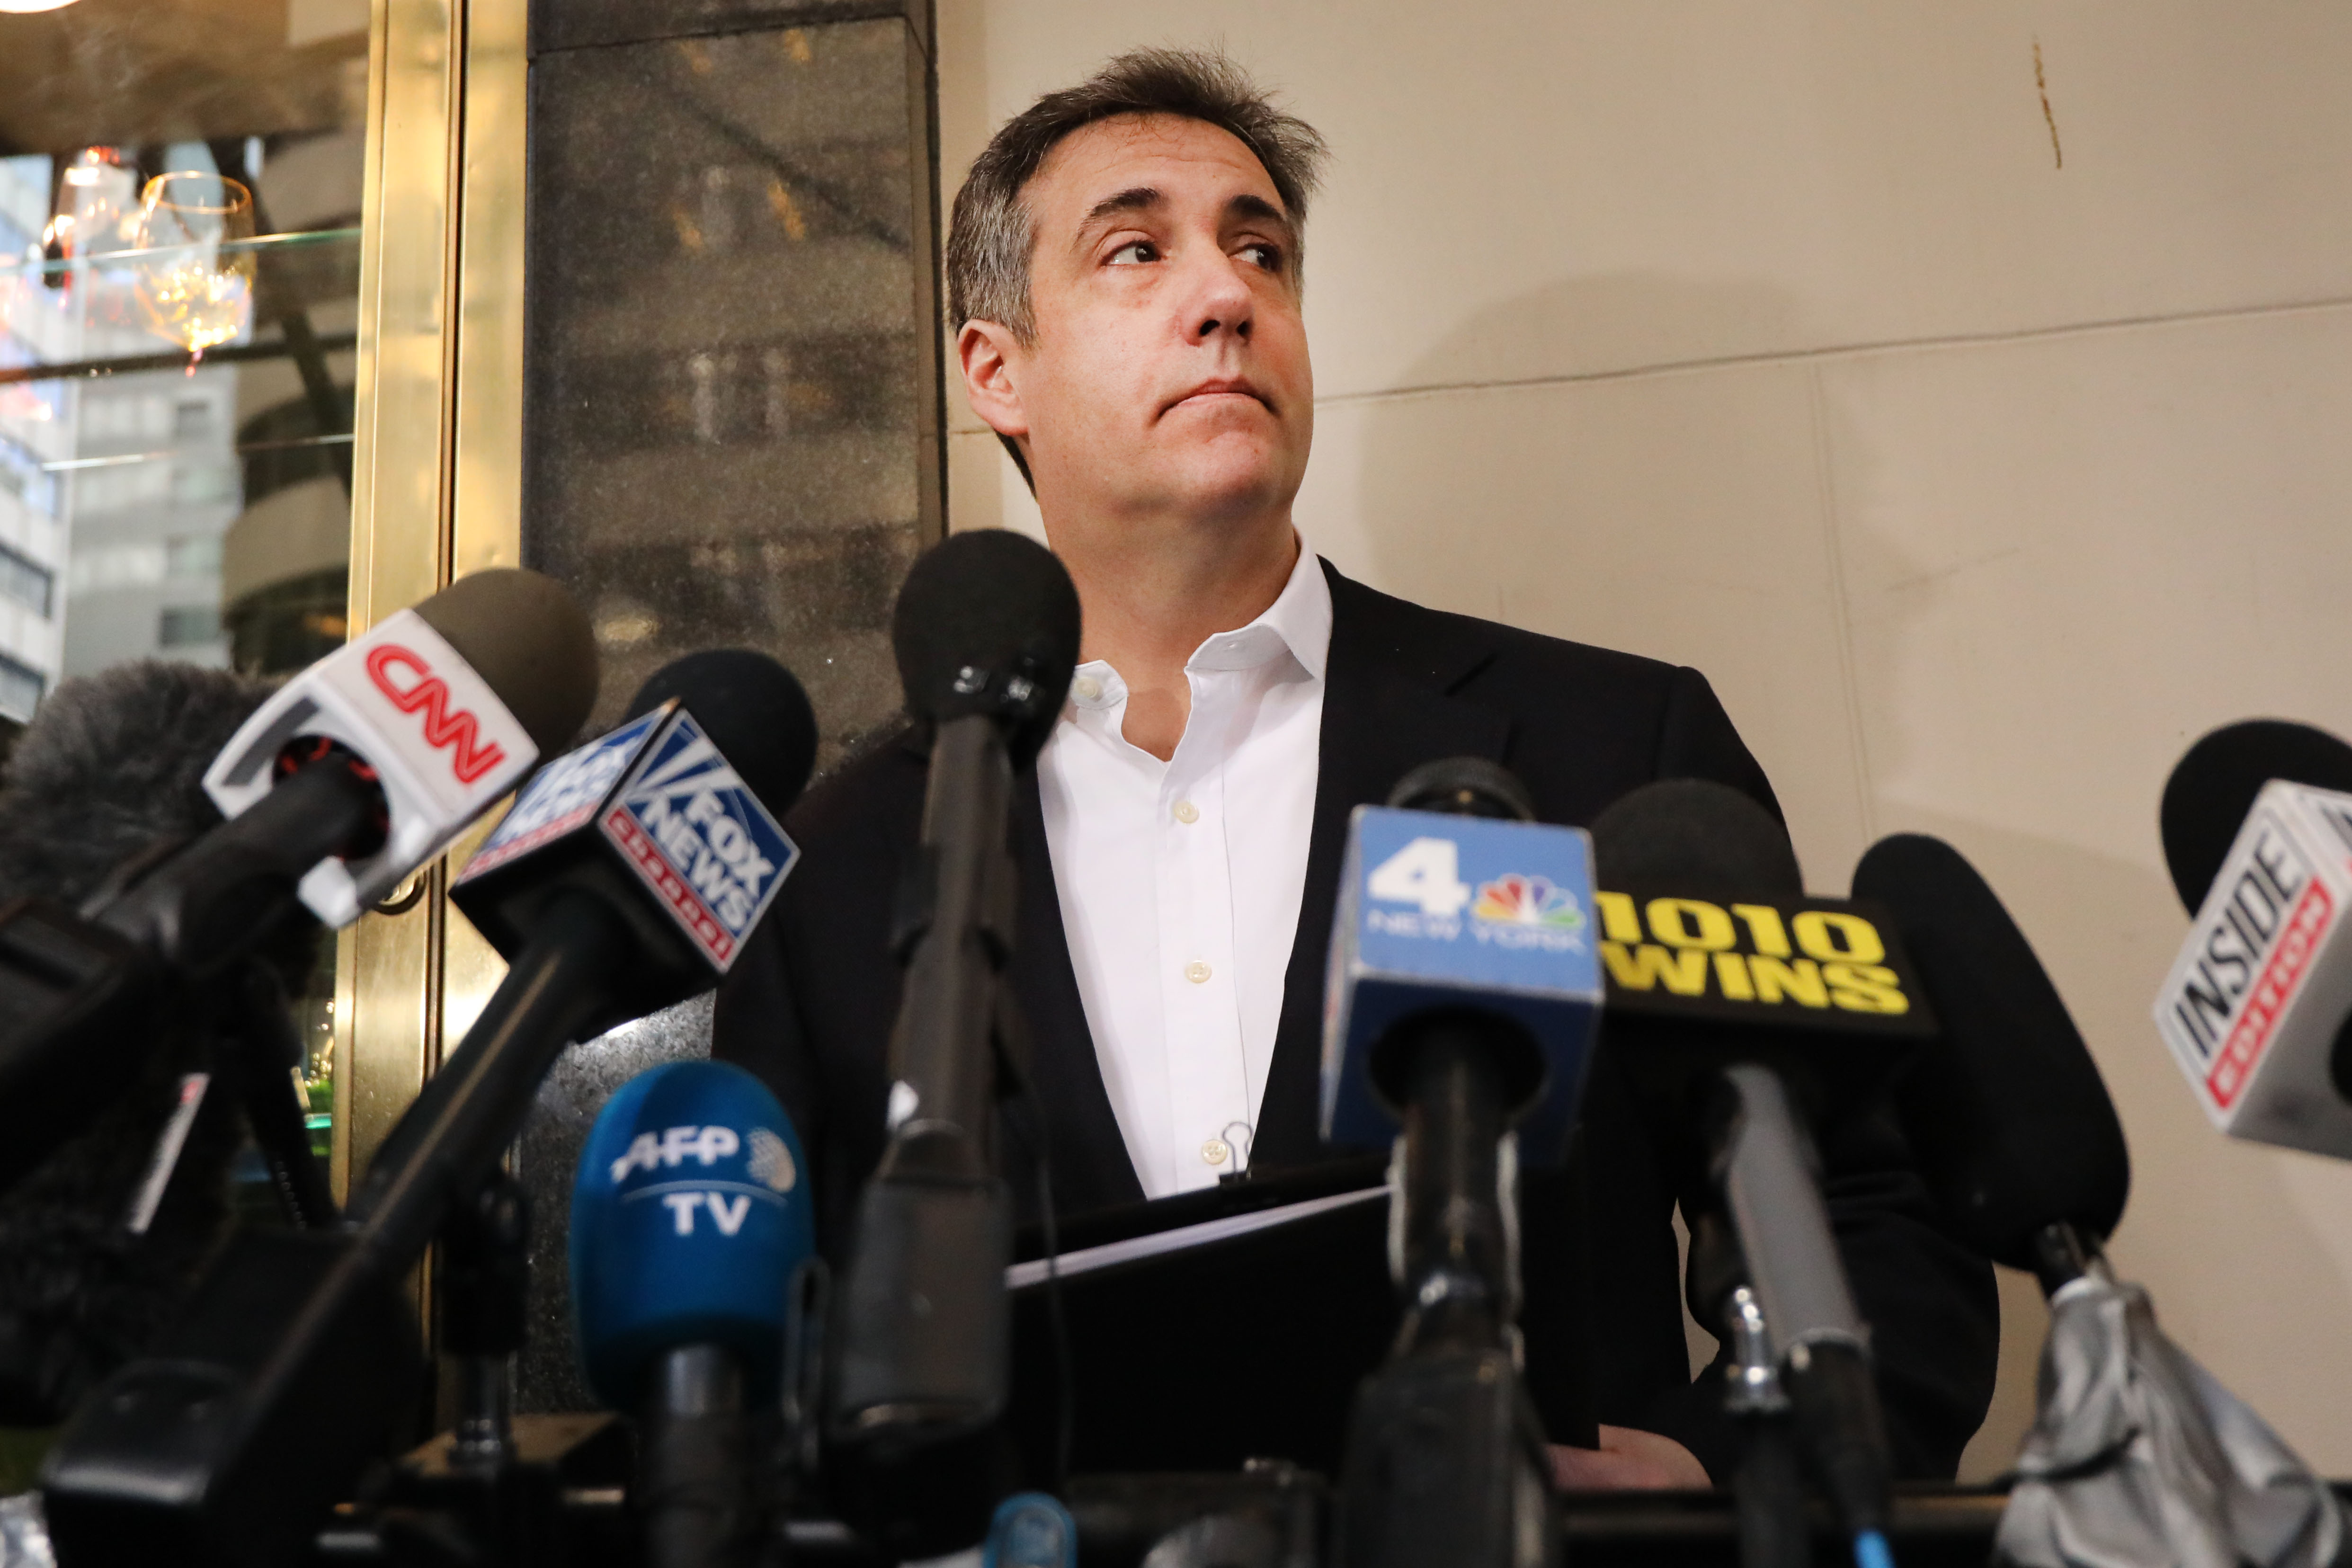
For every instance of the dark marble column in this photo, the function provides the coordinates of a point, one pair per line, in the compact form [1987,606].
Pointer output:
[733,428]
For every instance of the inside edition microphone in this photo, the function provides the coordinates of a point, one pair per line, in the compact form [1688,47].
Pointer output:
[626,876]
[690,1214]
[1462,996]
[986,633]
[2257,823]
[1734,996]
[357,772]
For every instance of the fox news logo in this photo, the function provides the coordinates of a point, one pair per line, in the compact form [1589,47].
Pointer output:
[693,829]
[563,795]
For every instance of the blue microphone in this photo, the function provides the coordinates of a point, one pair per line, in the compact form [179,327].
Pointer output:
[1463,990]
[690,1214]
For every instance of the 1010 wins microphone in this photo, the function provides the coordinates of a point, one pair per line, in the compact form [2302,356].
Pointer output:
[1461,998]
[986,633]
[1735,995]
[689,1216]
[355,772]
[2257,822]
[296,1358]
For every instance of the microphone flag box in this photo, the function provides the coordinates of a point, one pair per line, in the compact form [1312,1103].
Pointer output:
[653,800]
[2261,988]
[691,1211]
[443,746]
[1440,911]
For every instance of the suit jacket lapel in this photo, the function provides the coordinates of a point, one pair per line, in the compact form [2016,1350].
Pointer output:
[1388,707]
[1091,1165]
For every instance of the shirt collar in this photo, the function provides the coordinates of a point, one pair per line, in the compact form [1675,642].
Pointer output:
[1298,622]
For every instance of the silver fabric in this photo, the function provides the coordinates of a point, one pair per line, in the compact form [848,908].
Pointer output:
[2138,1458]
[24,1538]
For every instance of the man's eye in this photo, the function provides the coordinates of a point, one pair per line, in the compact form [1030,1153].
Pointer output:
[1135,253]
[1267,256]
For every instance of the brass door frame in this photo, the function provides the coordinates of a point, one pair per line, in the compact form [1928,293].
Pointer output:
[437,476]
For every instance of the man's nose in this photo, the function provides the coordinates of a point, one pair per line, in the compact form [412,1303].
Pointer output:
[1224,303]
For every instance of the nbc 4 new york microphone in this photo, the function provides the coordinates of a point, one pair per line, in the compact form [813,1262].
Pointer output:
[262,1408]
[1460,1007]
[690,1214]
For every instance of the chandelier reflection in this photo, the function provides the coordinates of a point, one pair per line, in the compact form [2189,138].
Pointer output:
[194,274]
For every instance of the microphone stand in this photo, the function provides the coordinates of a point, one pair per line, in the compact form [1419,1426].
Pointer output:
[1446,1457]
[922,1357]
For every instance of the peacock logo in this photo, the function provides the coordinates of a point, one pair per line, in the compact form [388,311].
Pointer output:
[1516,899]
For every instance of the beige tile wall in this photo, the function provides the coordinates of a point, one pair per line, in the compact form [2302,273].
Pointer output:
[1778,340]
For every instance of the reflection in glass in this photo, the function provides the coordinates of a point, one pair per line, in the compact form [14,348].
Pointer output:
[179,181]
[193,281]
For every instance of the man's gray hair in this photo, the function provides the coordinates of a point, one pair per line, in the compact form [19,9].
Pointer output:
[993,234]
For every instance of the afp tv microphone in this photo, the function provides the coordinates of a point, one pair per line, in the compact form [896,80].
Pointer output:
[298,1357]
[354,774]
[690,1215]
[2257,822]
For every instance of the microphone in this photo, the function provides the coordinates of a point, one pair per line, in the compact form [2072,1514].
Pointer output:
[986,633]
[2020,1144]
[1461,1000]
[1732,993]
[2005,1112]
[689,1216]
[298,1355]
[2257,1010]
[102,1240]
[355,772]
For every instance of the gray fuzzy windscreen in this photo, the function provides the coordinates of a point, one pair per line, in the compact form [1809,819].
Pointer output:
[110,763]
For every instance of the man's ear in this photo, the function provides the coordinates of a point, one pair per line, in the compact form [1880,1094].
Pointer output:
[988,354]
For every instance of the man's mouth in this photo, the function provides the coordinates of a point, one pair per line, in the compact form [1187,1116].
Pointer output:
[1234,386]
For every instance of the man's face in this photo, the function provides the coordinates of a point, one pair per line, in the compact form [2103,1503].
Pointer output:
[1169,372]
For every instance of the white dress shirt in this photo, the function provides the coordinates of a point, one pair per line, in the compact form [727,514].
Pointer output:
[1180,882]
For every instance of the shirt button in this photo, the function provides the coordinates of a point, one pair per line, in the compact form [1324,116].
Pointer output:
[1214,1151]
[1197,973]
[1186,812]
[1086,687]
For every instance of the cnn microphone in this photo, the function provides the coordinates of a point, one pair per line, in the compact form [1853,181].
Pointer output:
[355,772]
[690,1215]
[1734,994]
[638,883]
[986,633]
[2257,1010]
[1462,994]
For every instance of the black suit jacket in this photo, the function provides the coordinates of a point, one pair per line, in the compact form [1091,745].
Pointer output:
[809,1008]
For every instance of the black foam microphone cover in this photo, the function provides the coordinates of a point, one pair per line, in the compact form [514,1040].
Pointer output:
[112,764]
[753,710]
[1697,832]
[529,641]
[1465,786]
[987,623]
[2214,783]
[2006,1114]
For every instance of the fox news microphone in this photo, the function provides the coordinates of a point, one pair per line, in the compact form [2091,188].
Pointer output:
[2005,1112]
[1733,993]
[689,1216]
[986,633]
[626,877]
[354,774]
[2257,822]
[1463,990]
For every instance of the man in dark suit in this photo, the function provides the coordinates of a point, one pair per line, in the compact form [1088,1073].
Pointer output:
[1125,266]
